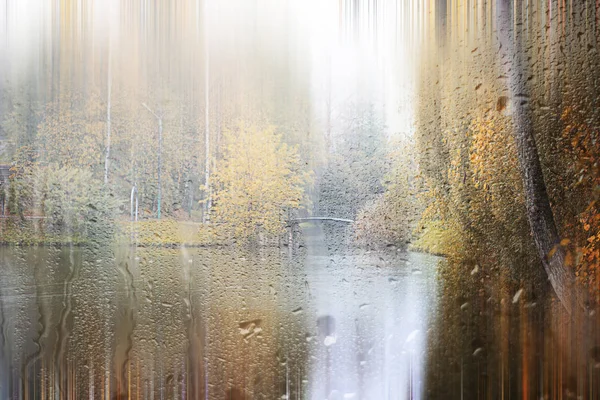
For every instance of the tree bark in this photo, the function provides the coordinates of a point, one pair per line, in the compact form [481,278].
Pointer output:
[539,212]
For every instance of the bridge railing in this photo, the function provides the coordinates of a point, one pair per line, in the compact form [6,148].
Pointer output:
[309,219]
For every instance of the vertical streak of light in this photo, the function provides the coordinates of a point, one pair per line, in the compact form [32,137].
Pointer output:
[91,380]
[109,84]
[151,385]
[524,353]
[207,160]
[183,379]
[340,20]
[137,374]
[395,24]
[42,382]
[106,364]
[287,377]
[555,371]
[51,382]
[410,375]
[527,19]
[206,114]
[461,380]
[548,369]
[591,384]
[560,367]
[541,361]
[34,380]
[504,329]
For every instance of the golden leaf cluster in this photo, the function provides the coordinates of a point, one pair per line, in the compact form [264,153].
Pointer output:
[259,180]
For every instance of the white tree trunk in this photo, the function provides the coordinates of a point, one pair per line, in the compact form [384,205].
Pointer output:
[107,150]
[206,118]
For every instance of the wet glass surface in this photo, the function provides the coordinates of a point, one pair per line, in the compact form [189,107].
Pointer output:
[164,323]
[280,199]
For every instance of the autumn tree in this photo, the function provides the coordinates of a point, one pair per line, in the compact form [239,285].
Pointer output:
[353,176]
[134,152]
[72,132]
[391,218]
[74,202]
[258,181]
[581,221]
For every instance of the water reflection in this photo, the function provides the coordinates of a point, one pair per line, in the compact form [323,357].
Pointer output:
[372,315]
[508,339]
[213,323]
[325,323]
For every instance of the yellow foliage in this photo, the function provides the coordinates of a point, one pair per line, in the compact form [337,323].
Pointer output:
[493,158]
[484,190]
[257,182]
[160,232]
[73,131]
[582,148]
[440,237]
[390,218]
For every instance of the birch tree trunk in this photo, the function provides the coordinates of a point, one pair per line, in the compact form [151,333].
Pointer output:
[206,118]
[107,151]
[539,213]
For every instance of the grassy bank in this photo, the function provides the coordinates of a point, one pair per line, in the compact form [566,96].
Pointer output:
[32,232]
[169,232]
[434,238]
[146,233]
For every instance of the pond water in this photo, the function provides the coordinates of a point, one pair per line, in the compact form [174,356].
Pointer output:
[316,320]
[215,323]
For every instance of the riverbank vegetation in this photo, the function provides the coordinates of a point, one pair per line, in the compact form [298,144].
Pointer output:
[61,189]
[507,135]
[482,184]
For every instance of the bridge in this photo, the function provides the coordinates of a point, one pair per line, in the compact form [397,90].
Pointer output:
[310,219]
[290,227]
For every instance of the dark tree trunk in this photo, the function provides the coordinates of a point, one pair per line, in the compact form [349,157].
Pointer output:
[539,213]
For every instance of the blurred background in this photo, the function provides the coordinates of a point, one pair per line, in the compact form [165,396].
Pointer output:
[350,199]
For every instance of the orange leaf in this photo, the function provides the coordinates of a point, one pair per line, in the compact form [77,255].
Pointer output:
[568,259]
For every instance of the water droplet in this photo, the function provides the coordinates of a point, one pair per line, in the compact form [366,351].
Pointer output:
[412,336]
[250,328]
[329,340]
[517,296]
